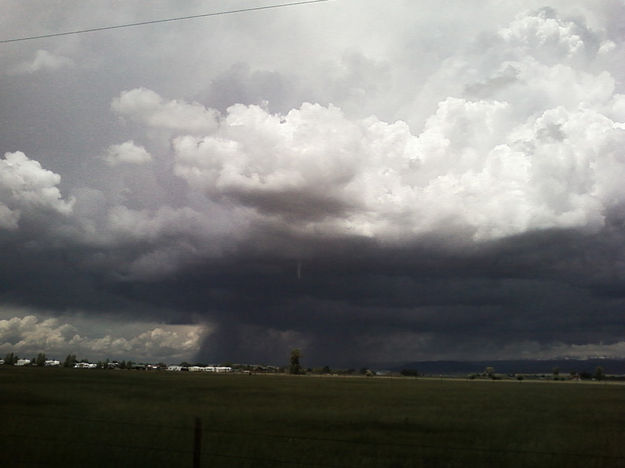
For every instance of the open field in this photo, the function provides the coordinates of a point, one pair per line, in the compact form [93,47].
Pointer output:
[76,417]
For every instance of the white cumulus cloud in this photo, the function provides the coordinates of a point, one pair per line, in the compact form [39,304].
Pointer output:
[28,334]
[24,186]
[127,153]
[147,107]
[524,144]
[472,166]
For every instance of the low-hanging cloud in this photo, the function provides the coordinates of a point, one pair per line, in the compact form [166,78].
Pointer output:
[30,334]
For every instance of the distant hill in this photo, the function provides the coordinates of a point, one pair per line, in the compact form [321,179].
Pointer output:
[611,366]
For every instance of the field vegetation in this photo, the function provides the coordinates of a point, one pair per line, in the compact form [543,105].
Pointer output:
[79,417]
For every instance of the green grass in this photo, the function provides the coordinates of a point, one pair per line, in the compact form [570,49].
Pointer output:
[83,417]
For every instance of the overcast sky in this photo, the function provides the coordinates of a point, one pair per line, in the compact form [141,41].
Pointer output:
[369,181]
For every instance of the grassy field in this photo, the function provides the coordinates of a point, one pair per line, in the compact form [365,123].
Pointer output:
[80,417]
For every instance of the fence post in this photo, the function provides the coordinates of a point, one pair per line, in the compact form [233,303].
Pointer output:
[197,443]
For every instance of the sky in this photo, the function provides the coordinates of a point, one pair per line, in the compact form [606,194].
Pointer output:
[367,181]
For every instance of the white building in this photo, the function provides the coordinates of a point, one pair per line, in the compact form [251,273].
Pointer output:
[216,369]
[85,365]
[22,362]
[52,363]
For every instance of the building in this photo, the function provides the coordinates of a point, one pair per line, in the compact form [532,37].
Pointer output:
[85,365]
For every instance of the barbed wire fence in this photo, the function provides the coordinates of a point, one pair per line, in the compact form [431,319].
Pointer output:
[201,450]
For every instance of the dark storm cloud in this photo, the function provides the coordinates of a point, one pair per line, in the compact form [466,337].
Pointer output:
[352,296]
[453,299]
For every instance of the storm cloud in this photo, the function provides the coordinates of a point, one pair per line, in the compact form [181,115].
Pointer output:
[445,183]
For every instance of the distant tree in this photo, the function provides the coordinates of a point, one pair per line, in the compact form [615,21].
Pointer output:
[363,370]
[70,360]
[409,372]
[40,360]
[326,370]
[555,372]
[490,372]
[294,363]
[10,359]
[599,373]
